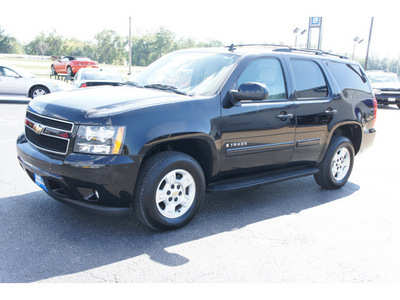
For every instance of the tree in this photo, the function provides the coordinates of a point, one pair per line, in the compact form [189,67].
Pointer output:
[9,44]
[46,44]
[110,47]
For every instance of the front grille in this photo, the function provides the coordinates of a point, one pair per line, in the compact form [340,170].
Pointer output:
[46,142]
[48,134]
[49,122]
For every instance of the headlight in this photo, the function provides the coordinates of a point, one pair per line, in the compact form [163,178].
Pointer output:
[100,139]
[376,91]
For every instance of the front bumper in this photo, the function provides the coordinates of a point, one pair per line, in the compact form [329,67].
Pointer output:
[100,184]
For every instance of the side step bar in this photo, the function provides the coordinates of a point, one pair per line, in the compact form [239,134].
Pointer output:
[246,182]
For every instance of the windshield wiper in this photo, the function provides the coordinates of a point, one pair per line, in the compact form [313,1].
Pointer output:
[164,87]
[132,83]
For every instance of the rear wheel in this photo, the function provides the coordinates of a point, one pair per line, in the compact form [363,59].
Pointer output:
[69,71]
[336,167]
[170,190]
[53,70]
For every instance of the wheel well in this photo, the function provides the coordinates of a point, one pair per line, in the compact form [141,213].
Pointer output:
[36,86]
[199,149]
[352,132]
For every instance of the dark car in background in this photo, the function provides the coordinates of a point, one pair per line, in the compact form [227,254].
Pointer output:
[386,87]
[70,65]
[97,77]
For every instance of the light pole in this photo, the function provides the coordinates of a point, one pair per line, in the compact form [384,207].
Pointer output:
[296,31]
[357,41]
[369,42]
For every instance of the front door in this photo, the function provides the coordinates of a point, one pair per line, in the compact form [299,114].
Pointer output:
[259,133]
[11,83]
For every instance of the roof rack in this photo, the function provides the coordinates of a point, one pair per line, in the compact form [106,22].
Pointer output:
[285,48]
[317,52]
[232,47]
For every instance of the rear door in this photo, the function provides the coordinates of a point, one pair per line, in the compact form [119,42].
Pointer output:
[257,133]
[315,108]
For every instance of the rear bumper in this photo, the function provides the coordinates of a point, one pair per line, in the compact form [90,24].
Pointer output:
[100,184]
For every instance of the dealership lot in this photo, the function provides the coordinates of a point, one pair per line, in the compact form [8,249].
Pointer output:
[288,232]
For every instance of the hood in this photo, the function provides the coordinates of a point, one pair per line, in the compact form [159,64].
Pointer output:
[85,105]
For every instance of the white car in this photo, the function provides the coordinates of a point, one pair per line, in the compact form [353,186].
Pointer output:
[17,82]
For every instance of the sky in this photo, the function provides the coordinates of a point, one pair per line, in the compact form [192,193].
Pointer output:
[245,21]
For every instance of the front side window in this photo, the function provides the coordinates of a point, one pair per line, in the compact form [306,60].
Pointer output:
[309,80]
[267,71]
[7,72]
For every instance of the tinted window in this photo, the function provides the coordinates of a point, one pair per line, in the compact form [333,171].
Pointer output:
[309,80]
[350,77]
[7,72]
[267,71]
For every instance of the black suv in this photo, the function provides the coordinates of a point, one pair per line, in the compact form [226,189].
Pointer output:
[200,120]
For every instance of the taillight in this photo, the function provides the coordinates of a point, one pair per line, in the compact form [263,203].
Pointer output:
[83,85]
[375,111]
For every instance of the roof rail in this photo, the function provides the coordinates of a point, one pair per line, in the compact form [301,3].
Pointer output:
[285,48]
[232,47]
[317,52]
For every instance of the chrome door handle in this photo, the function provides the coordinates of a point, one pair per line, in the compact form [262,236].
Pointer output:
[284,116]
[330,111]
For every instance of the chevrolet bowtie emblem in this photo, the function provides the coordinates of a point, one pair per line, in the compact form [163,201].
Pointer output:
[39,128]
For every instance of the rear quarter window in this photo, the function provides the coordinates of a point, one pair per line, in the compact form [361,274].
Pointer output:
[309,80]
[351,79]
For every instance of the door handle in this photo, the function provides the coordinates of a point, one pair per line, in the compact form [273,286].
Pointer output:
[330,111]
[284,115]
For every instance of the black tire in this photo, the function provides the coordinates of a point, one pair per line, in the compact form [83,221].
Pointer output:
[335,169]
[37,91]
[69,71]
[53,70]
[169,191]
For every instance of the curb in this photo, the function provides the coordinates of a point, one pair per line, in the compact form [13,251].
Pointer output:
[14,101]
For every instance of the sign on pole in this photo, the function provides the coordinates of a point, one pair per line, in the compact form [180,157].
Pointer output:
[315,23]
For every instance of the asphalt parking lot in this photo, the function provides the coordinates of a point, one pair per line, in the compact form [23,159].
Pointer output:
[288,232]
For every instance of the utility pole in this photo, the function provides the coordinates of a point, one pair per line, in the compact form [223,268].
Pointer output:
[369,42]
[130,48]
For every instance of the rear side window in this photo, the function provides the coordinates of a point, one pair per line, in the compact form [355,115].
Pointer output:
[309,80]
[350,78]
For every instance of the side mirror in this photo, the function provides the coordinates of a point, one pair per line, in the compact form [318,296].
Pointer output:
[253,91]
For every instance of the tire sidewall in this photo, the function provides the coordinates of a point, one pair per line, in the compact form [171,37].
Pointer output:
[32,92]
[340,142]
[148,188]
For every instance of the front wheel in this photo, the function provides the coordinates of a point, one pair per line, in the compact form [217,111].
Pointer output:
[38,91]
[170,190]
[336,167]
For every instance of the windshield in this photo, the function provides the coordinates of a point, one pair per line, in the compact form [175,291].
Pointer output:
[392,78]
[193,73]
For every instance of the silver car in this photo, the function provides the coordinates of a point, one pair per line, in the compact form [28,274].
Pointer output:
[18,82]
